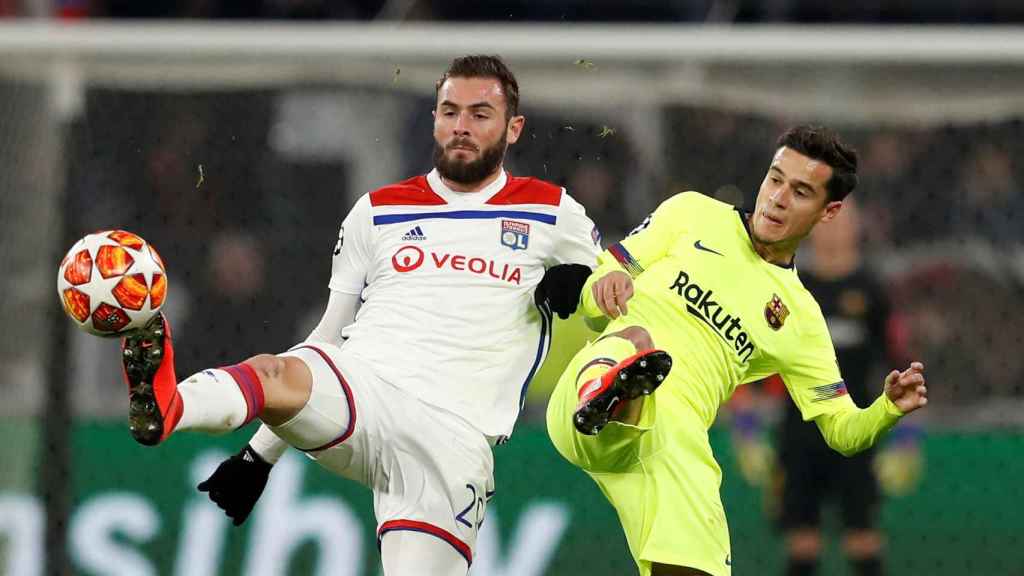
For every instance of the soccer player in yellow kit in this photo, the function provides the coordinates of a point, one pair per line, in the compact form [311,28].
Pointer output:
[700,299]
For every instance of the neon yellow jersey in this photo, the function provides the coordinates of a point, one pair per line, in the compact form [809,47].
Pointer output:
[729,317]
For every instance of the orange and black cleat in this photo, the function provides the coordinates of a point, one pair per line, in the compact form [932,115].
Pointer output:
[638,375]
[154,405]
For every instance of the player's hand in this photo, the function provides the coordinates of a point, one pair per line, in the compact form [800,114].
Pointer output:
[237,484]
[907,389]
[612,292]
[561,287]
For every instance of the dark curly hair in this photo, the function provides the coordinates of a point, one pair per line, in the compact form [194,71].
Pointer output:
[820,143]
[485,66]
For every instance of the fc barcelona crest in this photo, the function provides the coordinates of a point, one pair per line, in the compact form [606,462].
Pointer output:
[775,312]
[515,235]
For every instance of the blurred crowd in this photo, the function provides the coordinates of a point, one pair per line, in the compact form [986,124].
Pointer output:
[756,11]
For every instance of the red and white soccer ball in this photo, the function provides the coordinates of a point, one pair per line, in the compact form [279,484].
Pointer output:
[110,282]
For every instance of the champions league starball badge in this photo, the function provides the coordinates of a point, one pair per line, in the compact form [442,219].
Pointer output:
[515,235]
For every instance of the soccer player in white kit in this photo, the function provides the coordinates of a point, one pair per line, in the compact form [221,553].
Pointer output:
[440,312]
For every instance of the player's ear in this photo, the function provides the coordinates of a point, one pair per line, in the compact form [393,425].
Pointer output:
[831,210]
[514,128]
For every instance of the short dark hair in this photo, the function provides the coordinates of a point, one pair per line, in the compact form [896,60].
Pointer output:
[485,66]
[820,143]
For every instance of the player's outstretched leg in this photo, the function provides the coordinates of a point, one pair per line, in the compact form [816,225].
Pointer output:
[154,405]
[216,400]
[636,376]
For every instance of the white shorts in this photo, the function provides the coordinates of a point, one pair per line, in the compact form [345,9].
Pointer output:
[429,469]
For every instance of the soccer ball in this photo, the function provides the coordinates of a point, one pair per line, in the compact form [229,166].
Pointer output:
[111,282]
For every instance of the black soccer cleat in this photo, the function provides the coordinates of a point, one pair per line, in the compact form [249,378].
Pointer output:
[638,375]
[154,406]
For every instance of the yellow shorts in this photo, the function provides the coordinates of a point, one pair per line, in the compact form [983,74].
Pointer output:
[660,475]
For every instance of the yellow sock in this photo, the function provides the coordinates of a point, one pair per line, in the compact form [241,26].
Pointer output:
[605,353]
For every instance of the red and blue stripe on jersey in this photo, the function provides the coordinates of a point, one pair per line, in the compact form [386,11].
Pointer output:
[412,192]
[829,391]
[415,193]
[626,259]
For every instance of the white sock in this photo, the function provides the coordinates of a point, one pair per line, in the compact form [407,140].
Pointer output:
[211,402]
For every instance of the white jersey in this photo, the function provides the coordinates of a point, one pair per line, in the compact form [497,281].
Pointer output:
[447,282]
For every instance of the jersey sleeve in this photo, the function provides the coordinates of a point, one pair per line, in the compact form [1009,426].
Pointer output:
[812,377]
[351,262]
[578,240]
[341,311]
[851,429]
[646,244]
[811,374]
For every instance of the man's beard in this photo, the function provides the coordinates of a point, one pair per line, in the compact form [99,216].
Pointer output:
[472,171]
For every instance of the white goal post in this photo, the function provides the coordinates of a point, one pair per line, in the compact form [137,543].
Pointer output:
[845,73]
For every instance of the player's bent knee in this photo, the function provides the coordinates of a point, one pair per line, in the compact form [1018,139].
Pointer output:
[268,367]
[286,384]
[638,335]
[314,409]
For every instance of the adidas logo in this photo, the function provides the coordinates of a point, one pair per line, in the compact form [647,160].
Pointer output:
[414,234]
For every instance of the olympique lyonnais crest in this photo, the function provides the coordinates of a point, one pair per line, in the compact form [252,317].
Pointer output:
[515,235]
[775,312]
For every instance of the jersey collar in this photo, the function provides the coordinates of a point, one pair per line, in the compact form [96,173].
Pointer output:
[479,197]
[744,217]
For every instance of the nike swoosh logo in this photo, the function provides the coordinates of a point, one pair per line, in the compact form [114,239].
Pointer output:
[700,246]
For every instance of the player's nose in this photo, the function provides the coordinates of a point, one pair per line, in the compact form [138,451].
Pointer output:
[461,126]
[780,196]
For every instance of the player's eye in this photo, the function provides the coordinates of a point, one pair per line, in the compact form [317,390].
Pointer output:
[480,116]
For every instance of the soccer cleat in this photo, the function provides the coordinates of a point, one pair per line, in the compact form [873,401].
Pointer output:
[154,406]
[636,376]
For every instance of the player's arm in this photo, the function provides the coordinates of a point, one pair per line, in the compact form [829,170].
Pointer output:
[341,311]
[852,430]
[812,377]
[577,245]
[609,288]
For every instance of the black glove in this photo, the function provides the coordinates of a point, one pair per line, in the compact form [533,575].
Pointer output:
[237,484]
[561,287]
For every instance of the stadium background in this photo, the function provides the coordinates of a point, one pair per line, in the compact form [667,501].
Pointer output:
[237,146]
